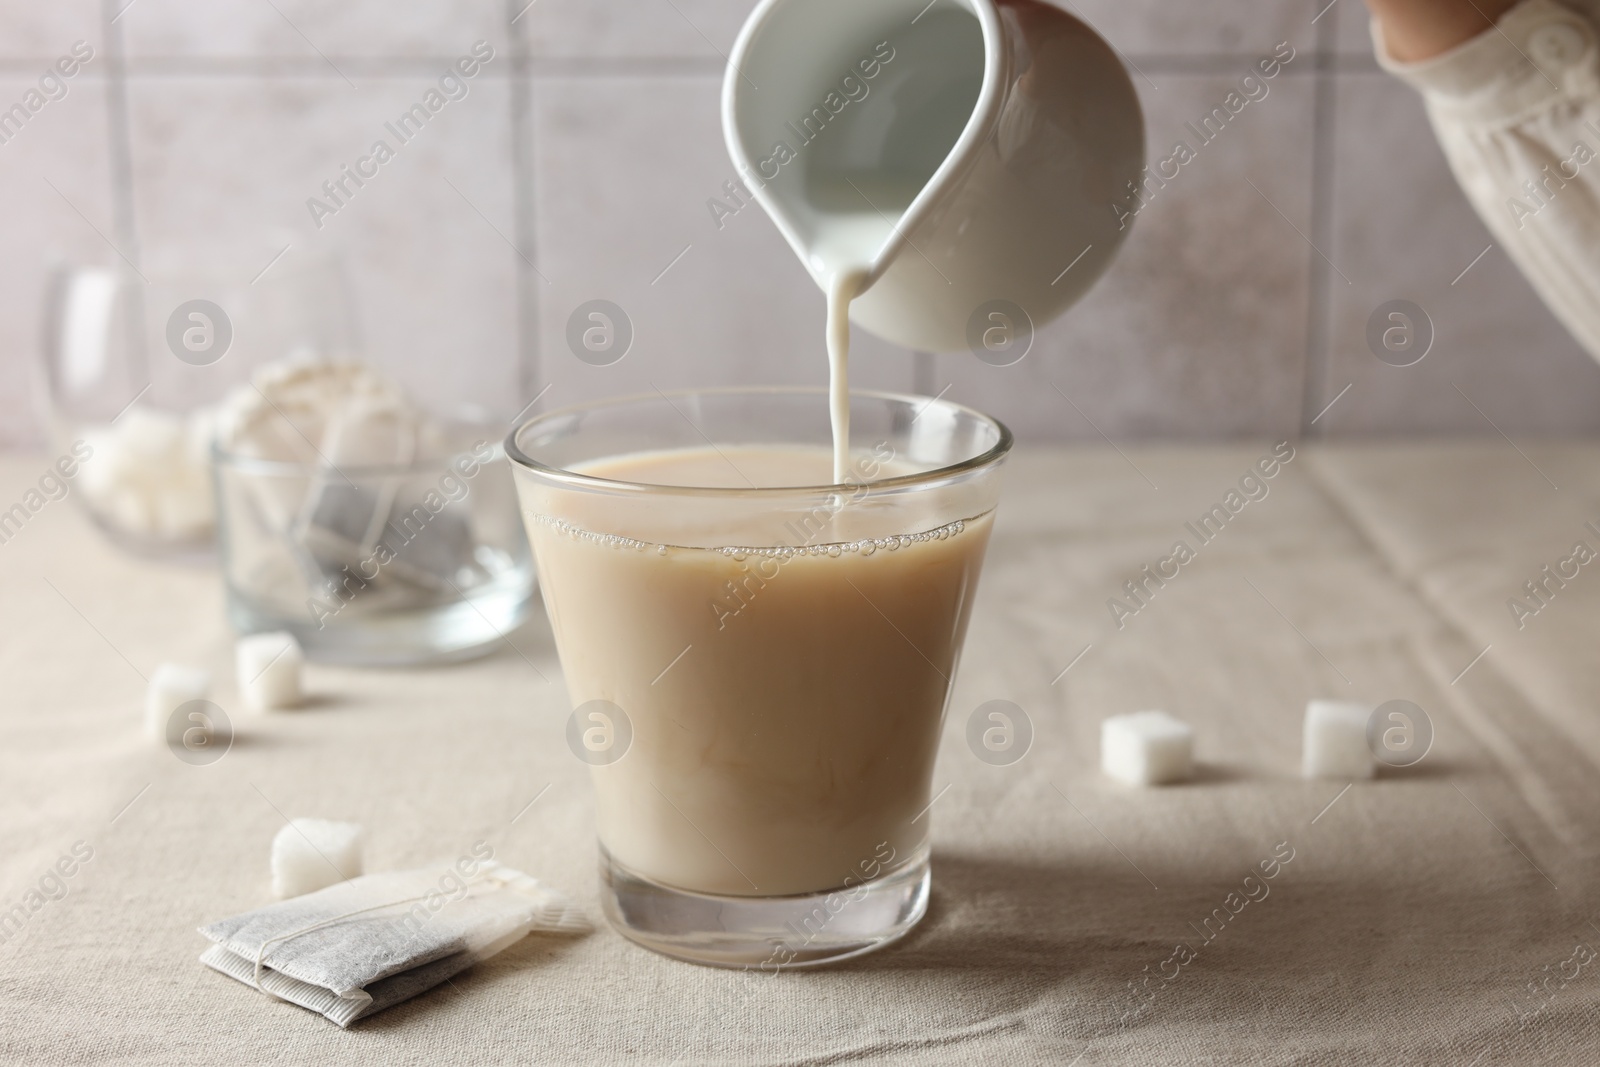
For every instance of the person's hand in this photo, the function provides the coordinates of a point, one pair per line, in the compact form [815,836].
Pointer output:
[1415,30]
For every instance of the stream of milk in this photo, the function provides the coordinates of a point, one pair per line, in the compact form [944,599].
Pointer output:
[843,249]
[843,287]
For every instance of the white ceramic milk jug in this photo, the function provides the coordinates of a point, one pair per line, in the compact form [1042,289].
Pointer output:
[967,154]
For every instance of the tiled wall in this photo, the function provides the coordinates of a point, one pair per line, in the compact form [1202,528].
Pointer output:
[579,165]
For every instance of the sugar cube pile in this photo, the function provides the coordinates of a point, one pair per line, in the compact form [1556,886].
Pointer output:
[170,686]
[1146,748]
[1335,744]
[150,475]
[312,854]
[268,667]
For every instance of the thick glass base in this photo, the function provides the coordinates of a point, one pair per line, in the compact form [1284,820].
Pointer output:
[442,633]
[770,933]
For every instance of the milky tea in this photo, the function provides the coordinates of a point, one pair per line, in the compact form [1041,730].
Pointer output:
[784,681]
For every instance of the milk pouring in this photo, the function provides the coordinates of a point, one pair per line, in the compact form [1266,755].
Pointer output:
[769,619]
[936,168]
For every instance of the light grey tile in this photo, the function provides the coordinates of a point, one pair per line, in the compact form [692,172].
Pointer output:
[1353,28]
[634,28]
[1404,230]
[55,184]
[625,167]
[225,168]
[1199,326]
[46,31]
[1199,28]
[304,29]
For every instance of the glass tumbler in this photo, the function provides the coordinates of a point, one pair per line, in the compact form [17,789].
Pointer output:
[377,566]
[134,365]
[759,671]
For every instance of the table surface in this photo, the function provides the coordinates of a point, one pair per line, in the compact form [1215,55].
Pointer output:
[1443,913]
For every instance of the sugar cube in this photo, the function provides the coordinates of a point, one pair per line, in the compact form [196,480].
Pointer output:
[1146,748]
[150,434]
[312,854]
[1335,743]
[171,685]
[150,476]
[268,666]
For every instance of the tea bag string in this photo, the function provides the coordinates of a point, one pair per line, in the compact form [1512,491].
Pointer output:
[262,951]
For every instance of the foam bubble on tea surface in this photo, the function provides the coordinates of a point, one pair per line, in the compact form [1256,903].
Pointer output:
[1146,748]
[172,685]
[1335,744]
[312,854]
[268,667]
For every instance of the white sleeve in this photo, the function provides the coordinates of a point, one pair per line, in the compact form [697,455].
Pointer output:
[1517,111]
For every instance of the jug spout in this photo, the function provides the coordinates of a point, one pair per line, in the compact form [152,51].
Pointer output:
[958,153]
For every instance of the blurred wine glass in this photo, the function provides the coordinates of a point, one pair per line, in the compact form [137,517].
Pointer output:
[136,362]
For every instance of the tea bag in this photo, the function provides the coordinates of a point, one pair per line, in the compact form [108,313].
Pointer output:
[350,529]
[283,415]
[342,519]
[363,945]
[434,551]
[386,526]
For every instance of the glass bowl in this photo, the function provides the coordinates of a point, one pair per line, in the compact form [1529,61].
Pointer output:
[392,565]
[134,362]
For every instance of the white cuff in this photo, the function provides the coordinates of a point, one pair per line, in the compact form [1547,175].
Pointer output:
[1538,52]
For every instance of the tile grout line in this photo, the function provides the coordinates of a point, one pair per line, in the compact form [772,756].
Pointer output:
[1319,300]
[589,66]
[524,208]
[119,153]
[119,135]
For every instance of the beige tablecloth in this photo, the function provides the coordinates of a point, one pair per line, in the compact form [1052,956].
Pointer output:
[1442,914]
